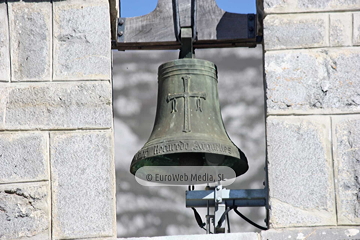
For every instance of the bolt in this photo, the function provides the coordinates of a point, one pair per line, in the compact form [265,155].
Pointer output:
[218,199]
[264,183]
[121,33]
[121,21]
[218,188]
[251,17]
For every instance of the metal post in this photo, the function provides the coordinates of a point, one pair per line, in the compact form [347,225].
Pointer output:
[220,209]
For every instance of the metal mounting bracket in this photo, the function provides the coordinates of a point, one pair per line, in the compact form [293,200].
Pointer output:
[221,198]
[121,29]
[186,40]
[251,25]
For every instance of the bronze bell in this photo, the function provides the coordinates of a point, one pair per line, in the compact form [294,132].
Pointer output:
[188,129]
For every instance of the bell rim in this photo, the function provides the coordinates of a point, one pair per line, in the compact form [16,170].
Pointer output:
[239,161]
[193,145]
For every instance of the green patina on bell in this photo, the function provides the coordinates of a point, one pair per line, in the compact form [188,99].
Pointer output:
[188,129]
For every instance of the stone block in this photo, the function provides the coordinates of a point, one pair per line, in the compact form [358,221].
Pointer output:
[4,44]
[82,40]
[346,131]
[83,184]
[300,173]
[3,93]
[329,82]
[356,28]
[295,31]
[25,211]
[312,234]
[289,6]
[57,105]
[340,29]
[31,40]
[23,156]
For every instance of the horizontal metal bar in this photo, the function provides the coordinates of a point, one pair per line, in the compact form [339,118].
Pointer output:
[232,197]
[229,203]
[176,45]
[238,194]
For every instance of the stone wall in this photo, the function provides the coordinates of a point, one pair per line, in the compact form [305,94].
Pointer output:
[312,84]
[56,126]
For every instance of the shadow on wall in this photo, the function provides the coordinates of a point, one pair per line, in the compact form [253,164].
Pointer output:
[158,211]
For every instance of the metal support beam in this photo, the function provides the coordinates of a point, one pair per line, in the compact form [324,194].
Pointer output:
[212,27]
[232,198]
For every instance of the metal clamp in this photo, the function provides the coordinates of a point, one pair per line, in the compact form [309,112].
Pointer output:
[121,29]
[251,25]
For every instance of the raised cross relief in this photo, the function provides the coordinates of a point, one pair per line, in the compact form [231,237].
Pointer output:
[186,95]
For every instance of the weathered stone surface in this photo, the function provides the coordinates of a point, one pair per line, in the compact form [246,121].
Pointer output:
[346,131]
[300,172]
[237,236]
[288,6]
[312,234]
[83,184]
[329,82]
[23,156]
[31,40]
[82,40]
[25,211]
[356,29]
[295,31]
[340,29]
[4,44]
[57,105]
[3,92]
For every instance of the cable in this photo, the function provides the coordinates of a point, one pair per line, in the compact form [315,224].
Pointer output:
[199,220]
[228,222]
[249,221]
[221,220]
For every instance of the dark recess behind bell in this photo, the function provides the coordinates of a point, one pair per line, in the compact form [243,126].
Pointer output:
[160,211]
